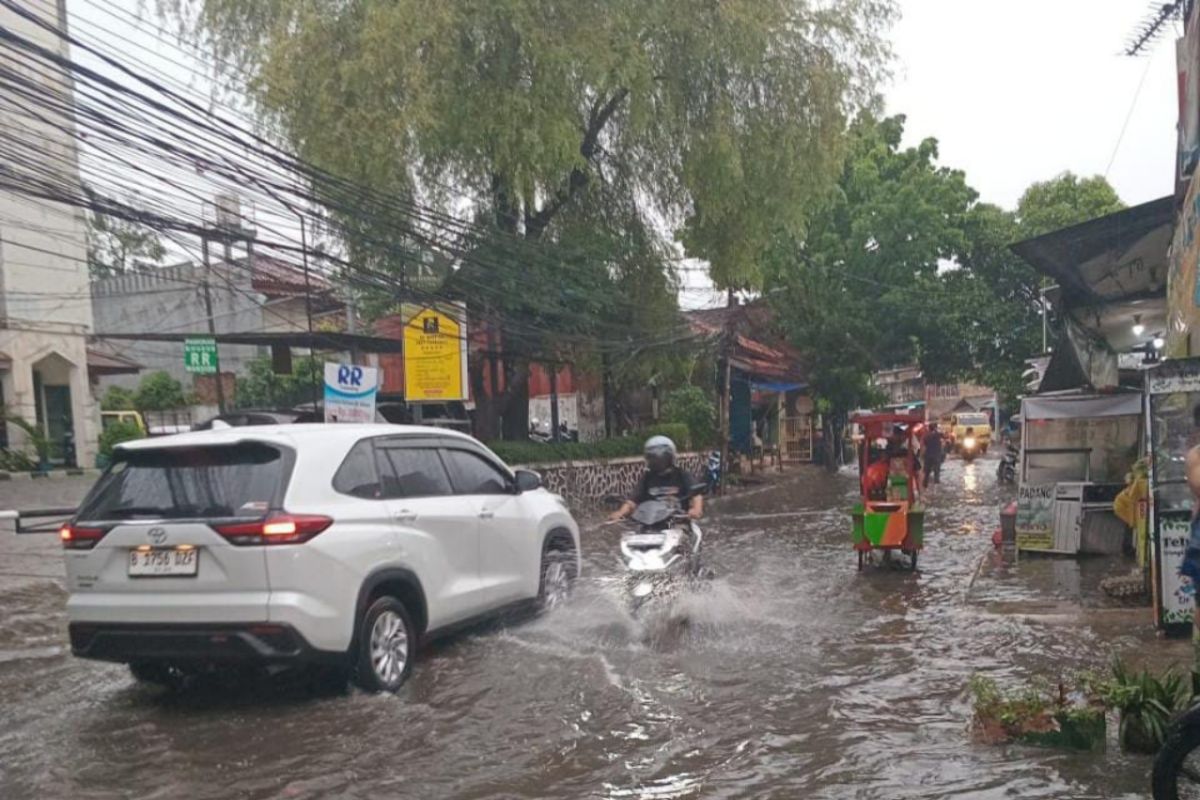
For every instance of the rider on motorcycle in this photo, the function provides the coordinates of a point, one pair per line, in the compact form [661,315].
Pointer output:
[663,480]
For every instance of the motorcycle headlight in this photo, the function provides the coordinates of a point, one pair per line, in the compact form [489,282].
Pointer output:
[969,442]
[642,589]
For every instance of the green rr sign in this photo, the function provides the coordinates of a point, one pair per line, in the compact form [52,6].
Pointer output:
[200,356]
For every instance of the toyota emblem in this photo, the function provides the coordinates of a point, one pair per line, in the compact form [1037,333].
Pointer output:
[158,535]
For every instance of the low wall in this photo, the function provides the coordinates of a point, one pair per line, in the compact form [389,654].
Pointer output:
[588,484]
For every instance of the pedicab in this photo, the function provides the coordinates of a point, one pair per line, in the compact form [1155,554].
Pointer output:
[890,516]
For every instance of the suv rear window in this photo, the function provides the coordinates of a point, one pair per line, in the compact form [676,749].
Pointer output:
[241,480]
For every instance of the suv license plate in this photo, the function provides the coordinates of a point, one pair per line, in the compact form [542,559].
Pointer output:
[173,562]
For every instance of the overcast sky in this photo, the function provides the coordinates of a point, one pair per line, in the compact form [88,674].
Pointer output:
[1018,91]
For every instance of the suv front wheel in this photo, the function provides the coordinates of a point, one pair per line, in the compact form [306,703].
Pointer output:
[558,578]
[387,643]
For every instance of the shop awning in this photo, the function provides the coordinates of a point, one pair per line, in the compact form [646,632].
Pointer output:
[1081,406]
[767,386]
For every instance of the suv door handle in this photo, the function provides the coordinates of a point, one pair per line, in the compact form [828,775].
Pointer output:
[404,516]
[486,514]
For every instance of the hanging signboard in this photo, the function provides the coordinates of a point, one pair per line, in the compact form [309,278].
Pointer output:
[350,392]
[1035,516]
[435,356]
[200,356]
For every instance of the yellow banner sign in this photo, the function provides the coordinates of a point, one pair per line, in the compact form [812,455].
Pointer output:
[435,357]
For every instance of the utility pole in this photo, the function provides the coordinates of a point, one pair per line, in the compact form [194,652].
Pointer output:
[554,401]
[212,327]
[726,376]
[308,313]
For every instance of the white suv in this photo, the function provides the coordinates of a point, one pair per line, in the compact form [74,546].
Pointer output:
[341,545]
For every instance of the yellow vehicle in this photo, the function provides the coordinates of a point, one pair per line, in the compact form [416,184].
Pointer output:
[108,418]
[977,424]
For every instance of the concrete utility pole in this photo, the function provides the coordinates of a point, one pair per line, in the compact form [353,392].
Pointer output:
[554,402]
[308,312]
[212,327]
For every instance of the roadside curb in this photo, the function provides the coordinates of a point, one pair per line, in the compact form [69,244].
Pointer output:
[55,475]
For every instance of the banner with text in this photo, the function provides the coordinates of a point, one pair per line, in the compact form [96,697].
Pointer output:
[1035,516]
[350,392]
[435,356]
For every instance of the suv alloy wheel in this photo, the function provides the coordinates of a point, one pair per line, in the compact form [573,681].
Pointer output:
[387,644]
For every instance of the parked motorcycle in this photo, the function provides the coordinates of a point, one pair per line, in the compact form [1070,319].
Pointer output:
[661,555]
[1172,771]
[1006,470]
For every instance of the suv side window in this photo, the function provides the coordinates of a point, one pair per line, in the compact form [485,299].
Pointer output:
[412,472]
[473,474]
[357,476]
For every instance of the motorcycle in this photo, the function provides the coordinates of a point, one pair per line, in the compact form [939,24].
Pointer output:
[661,555]
[1006,470]
[969,449]
[1171,770]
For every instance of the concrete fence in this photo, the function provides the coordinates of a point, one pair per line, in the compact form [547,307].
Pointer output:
[589,484]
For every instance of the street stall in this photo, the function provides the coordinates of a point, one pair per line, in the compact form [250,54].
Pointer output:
[1173,391]
[1076,449]
[890,516]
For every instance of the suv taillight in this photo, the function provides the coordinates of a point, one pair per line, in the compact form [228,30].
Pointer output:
[276,529]
[77,537]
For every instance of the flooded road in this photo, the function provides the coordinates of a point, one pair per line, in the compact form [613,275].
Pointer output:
[801,679]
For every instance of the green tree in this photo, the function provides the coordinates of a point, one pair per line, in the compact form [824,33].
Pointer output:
[116,246]
[865,287]
[117,398]
[723,120]
[1004,291]
[262,387]
[158,391]
[1065,200]
[694,407]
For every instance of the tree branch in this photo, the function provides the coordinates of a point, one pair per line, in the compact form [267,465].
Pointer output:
[535,224]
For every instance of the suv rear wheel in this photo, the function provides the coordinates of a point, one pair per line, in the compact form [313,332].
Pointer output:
[387,642]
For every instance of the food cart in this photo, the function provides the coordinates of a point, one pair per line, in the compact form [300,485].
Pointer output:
[1076,449]
[890,516]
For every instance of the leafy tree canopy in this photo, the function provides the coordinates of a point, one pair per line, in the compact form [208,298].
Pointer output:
[863,288]
[724,117]
[1065,200]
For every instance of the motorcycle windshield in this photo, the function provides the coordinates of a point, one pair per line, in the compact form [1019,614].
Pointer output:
[652,512]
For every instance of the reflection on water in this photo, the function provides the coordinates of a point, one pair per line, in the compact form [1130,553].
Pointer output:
[797,677]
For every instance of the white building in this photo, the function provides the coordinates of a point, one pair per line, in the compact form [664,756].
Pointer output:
[45,309]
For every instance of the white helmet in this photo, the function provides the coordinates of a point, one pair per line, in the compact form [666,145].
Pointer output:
[660,453]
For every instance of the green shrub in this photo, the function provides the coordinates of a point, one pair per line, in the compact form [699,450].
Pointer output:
[158,391]
[115,433]
[33,433]
[1147,703]
[694,408]
[117,398]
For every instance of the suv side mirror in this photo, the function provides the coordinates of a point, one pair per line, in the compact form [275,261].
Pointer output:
[527,480]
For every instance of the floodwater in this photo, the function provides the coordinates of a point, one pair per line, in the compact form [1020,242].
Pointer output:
[800,678]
